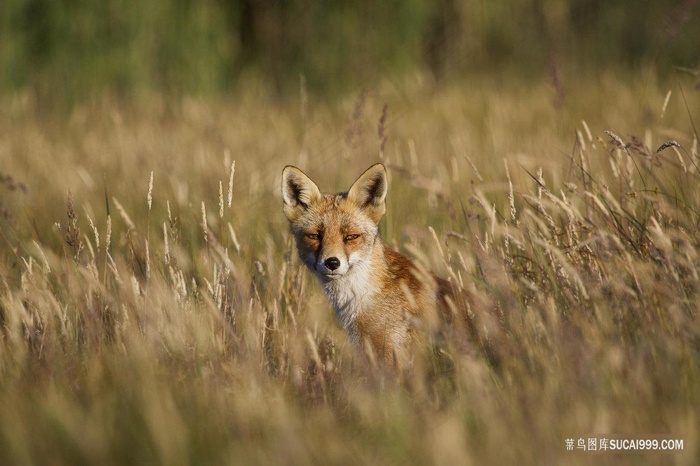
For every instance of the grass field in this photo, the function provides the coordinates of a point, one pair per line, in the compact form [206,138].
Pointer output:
[153,311]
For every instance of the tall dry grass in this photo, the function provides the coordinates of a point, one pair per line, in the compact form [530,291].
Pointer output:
[152,309]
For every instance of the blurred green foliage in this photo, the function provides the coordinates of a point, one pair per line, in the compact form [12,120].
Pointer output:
[71,49]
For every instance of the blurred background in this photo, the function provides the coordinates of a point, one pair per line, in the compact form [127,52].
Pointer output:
[144,320]
[63,52]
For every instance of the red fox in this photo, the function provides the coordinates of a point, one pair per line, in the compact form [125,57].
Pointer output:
[385,301]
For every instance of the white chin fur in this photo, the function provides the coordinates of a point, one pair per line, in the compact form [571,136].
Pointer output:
[349,293]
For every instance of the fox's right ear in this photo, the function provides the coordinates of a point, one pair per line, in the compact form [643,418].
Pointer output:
[298,191]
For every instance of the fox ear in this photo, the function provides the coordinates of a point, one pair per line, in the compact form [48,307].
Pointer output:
[298,191]
[369,191]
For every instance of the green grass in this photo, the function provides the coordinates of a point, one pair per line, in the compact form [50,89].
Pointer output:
[587,251]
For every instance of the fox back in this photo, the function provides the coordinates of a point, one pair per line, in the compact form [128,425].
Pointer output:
[384,301]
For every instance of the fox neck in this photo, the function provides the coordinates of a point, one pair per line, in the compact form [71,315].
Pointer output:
[353,292]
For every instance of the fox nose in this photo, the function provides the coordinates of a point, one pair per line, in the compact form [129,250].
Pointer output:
[332,263]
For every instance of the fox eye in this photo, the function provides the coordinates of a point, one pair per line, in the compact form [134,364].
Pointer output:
[314,236]
[351,237]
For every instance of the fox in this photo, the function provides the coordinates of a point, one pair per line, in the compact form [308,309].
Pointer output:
[386,302]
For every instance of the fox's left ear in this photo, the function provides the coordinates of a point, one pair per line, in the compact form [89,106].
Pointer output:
[369,192]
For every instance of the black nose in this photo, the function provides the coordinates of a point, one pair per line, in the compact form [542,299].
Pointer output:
[332,263]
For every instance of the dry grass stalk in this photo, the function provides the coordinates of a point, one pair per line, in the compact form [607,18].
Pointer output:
[591,296]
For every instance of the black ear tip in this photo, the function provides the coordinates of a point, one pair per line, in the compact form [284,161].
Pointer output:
[375,172]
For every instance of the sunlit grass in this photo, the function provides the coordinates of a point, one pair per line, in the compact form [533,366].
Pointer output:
[152,310]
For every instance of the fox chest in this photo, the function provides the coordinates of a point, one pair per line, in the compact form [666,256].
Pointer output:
[348,304]
[367,318]
[351,297]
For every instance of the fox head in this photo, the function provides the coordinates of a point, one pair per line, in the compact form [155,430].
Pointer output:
[334,232]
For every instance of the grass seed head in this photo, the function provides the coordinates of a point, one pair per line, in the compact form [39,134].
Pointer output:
[230,183]
[149,196]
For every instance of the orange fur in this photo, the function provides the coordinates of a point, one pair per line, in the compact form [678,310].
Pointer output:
[382,298]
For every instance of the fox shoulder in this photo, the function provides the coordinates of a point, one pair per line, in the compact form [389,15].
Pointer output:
[401,269]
